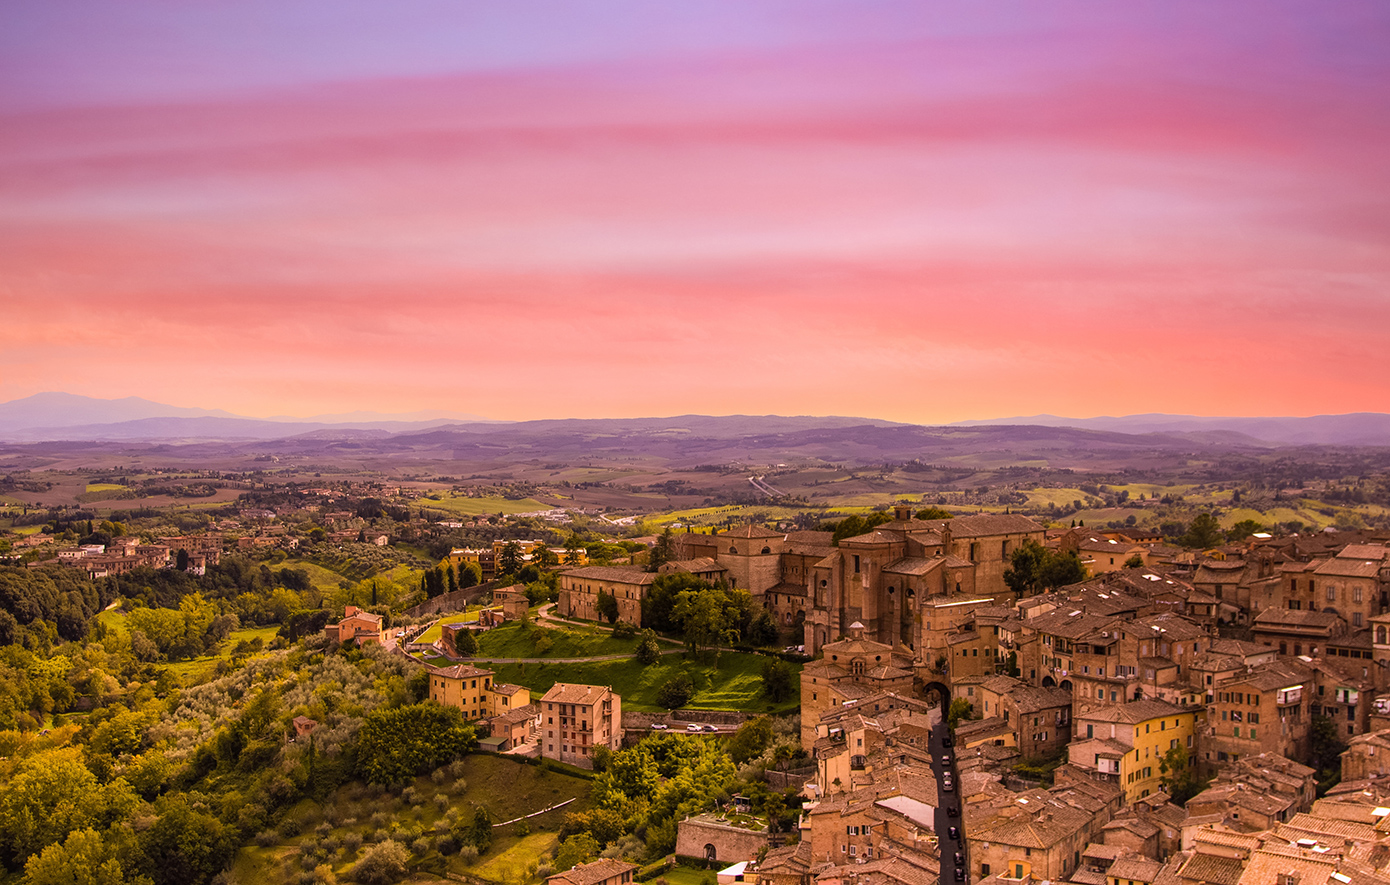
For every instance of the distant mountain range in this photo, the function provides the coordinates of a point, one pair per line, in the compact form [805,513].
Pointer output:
[47,417]
[1356,429]
[66,416]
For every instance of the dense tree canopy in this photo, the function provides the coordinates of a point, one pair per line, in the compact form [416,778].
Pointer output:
[398,743]
[1034,568]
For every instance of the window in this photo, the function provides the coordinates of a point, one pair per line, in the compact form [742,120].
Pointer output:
[1356,594]
[1331,593]
[1356,619]
[856,564]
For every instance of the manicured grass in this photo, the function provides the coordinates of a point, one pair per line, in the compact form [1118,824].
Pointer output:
[514,640]
[684,875]
[736,684]
[433,633]
[464,506]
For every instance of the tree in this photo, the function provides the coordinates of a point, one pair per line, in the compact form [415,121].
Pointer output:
[577,849]
[185,845]
[1204,532]
[648,650]
[509,560]
[481,836]
[1034,568]
[960,709]
[1325,750]
[82,859]
[573,546]
[607,605]
[777,679]
[397,743]
[1135,561]
[934,513]
[470,575]
[181,563]
[1179,778]
[662,552]
[1243,529]
[382,864]
[465,643]
[676,691]
[750,740]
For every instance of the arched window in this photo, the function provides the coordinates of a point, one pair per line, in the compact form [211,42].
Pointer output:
[767,549]
[710,852]
[733,549]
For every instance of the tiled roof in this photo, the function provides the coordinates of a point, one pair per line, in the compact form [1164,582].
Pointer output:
[593,873]
[574,693]
[752,532]
[460,671]
[616,574]
[1212,868]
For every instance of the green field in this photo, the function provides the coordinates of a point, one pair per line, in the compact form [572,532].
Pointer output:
[735,685]
[465,506]
[434,632]
[198,667]
[514,640]
[106,487]
[506,787]
[115,620]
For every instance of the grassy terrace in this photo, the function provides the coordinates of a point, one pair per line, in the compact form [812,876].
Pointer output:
[735,684]
[514,640]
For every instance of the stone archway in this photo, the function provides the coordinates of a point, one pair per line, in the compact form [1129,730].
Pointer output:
[943,692]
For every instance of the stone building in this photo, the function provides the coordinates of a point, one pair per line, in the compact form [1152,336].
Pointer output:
[578,718]
[848,670]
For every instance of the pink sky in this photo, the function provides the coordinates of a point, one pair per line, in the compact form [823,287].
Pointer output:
[816,208]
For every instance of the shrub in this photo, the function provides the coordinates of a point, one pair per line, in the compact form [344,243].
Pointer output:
[441,801]
[676,692]
[267,838]
[383,864]
[624,630]
[469,853]
[420,847]
[352,841]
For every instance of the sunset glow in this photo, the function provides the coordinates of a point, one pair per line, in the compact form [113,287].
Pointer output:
[920,212]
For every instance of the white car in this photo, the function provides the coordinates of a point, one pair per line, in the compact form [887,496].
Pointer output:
[694,726]
[659,726]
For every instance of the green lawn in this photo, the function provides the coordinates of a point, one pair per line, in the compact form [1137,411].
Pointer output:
[684,875]
[433,633]
[735,685]
[465,506]
[322,578]
[514,640]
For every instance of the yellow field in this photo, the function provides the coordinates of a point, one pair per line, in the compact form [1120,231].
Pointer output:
[465,506]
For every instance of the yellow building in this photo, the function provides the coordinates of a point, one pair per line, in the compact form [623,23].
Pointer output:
[1125,743]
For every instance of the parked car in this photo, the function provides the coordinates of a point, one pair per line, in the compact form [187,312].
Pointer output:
[960,874]
[711,728]
[694,726]
[954,833]
[659,726]
[948,787]
[946,760]
[953,811]
[959,859]
[948,741]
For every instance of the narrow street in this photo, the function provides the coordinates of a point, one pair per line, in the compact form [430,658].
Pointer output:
[944,765]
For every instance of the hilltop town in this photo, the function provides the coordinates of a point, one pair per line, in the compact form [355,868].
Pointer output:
[362,678]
